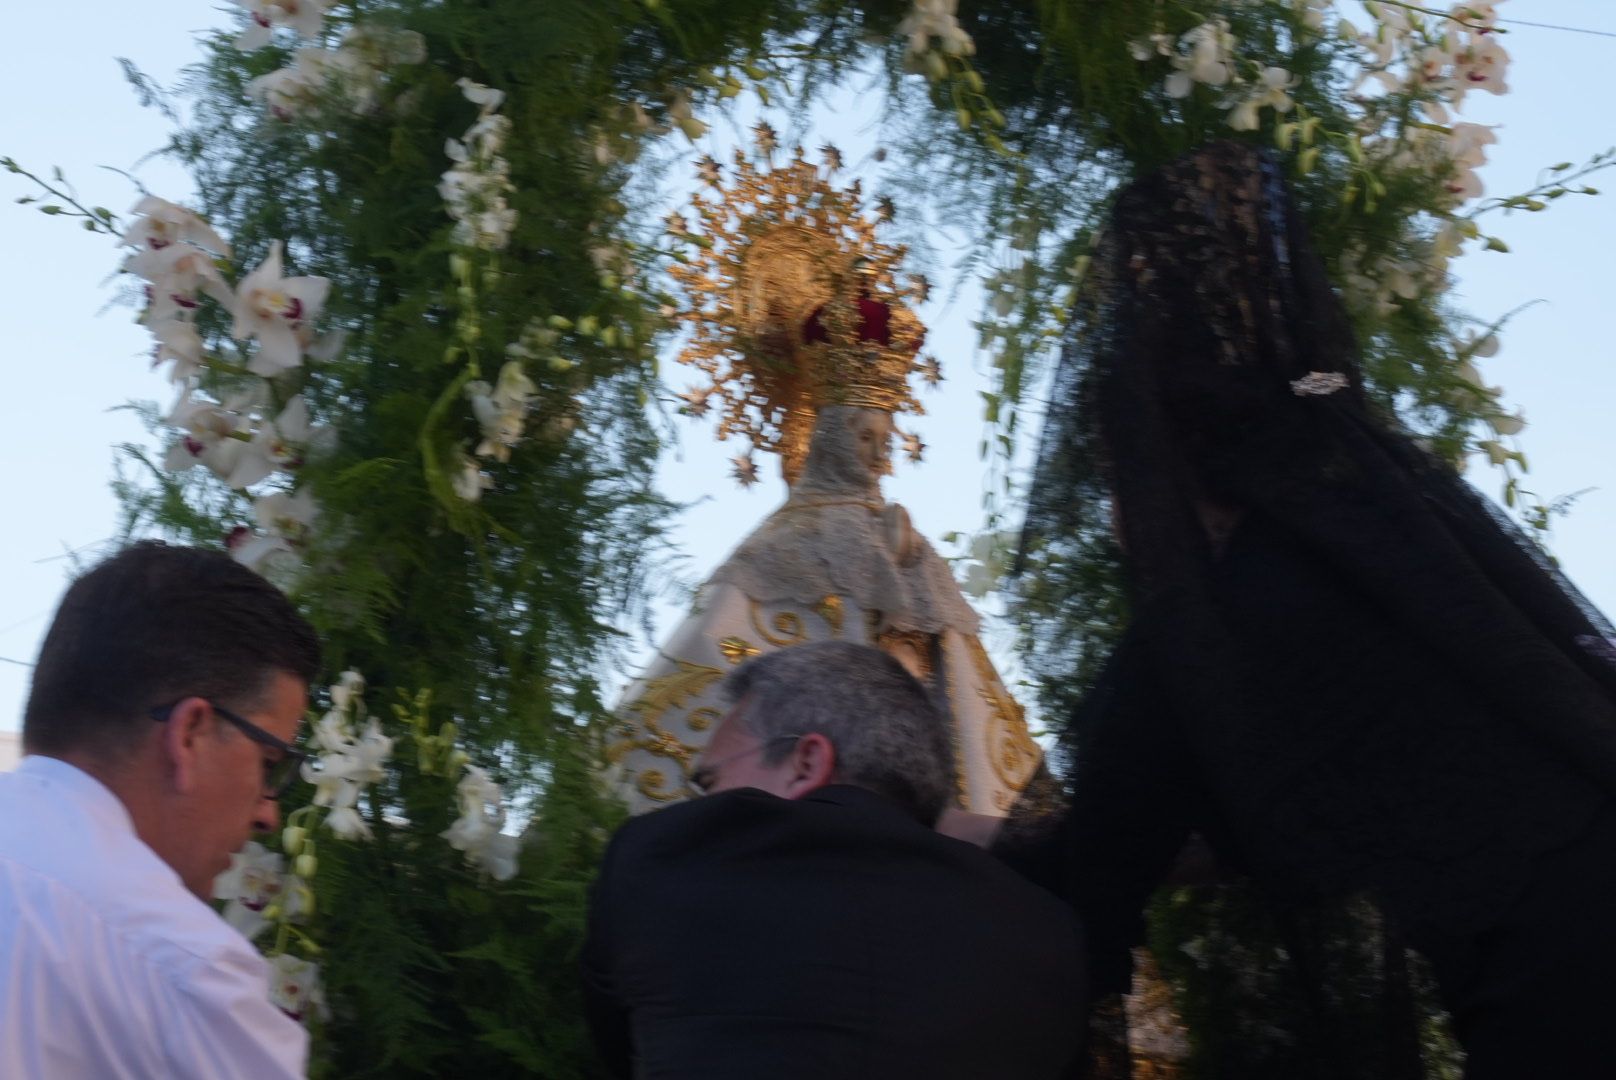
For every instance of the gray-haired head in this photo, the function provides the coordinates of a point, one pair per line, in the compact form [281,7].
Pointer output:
[889,737]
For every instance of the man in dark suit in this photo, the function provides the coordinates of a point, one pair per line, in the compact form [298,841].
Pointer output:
[804,922]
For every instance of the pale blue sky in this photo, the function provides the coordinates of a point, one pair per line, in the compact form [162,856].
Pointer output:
[65,103]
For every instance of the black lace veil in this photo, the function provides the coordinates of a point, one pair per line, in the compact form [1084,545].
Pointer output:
[1210,379]
[1199,374]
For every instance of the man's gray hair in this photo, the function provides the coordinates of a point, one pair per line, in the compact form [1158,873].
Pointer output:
[889,737]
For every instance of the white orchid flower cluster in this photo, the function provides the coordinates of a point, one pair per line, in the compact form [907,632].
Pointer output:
[477,830]
[348,760]
[932,26]
[356,68]
[1437,61]
[1207,56]
[305,17]
[176,253]
[258,891]
[240,440]
[295,987]
[475,187]
[501,411]
[1443,57]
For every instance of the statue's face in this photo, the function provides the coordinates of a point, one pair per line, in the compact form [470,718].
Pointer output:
[872,433]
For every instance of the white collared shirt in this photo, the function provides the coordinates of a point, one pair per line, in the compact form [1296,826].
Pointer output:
[110,969]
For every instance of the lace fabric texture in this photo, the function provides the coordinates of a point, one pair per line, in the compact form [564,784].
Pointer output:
[1374,683]
[837,535]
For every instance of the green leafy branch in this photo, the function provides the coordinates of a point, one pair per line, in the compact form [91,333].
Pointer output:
[61,199]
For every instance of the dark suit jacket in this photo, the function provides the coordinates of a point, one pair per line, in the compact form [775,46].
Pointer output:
[833,938]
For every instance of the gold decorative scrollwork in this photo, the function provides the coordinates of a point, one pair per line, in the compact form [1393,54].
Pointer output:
[1011,750]
[918,644]
[830,609]
[788,626]
[736,649]
[651,784]
[674,690]
[703,718]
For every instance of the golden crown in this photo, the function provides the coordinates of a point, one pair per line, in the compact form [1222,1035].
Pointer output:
[792,302]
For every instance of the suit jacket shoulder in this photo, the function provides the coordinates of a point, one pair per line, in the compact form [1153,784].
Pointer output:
[734,928]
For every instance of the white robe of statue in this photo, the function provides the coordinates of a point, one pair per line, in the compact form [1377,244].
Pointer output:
[835,561]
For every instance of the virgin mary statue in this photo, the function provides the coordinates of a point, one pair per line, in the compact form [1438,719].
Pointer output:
[799,322]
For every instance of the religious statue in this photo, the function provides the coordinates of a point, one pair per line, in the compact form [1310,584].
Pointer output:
[799,320]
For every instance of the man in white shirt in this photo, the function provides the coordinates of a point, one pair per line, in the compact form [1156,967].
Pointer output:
[157,738]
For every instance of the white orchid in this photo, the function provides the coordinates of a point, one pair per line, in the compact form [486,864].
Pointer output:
[254,880]
[383,46]
[485,98]
[356,68]
[1273,92]
[285,523]
[1466,146]
[305,17]
[360,62]
[178,340]
[936,20]
[475,187]
[469,481]
[161,223]
[212,434]
[177,273]
[295,987]
[1209,59]
[346,763]
[501,410]
[347,693]
[1313,12]
[277,444]
[289,92]
[477,830]
[1483,65]
[274,309]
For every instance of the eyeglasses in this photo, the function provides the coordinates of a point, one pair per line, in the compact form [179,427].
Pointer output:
[278,772]
[706,774]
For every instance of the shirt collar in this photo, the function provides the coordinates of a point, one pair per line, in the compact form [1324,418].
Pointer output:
[80,786]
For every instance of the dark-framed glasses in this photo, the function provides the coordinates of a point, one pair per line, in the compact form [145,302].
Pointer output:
[278,772]
[705,775]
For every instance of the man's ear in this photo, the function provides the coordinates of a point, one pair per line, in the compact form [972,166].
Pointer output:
[813,765]
[190,722]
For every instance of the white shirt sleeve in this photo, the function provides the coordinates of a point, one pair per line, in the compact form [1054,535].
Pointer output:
[219,1024]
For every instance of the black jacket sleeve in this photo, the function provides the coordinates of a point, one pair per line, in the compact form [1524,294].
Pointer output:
[604,1011]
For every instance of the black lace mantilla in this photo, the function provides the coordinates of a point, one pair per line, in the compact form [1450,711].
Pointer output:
[1344,666]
